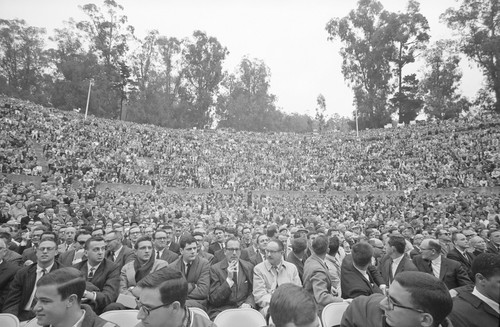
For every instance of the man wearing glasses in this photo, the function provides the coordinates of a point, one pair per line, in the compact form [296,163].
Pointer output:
[271,273]
[21,298]
[432,262]
[230,281]
[413,299]
[75,255]
[162,301]
[117,252]
[443,236]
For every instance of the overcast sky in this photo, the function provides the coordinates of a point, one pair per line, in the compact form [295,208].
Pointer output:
[288,35]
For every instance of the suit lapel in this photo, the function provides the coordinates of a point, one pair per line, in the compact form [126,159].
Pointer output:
[442,271]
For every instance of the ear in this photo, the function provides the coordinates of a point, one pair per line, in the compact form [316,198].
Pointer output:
[71,300]
[176,305]
[426,320]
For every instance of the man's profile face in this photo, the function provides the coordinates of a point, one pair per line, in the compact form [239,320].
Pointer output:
[397,316]
[495,237]
[189,252]
[151,298]
[50,308]
[262,242]
[95,252]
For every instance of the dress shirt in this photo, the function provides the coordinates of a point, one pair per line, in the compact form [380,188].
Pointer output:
[488,301]
[436,266]
[395,264]
[38,276]
[116,253]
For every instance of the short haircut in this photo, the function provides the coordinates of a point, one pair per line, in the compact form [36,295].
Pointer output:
[486,264]
[82,232]
[333,245]
[492,231]
[292,304]
[51,235]
[216,228]
[93,239]
[281,247]
[171,284]
[43,228]
[198,233]
[320,245]
[428,293]
[433,244]
[185,240]
[311,234]
[68,280]
[233,239]
[362,254]
[398,242]
[142,239]
[6,236]
[299,245]
[168,227]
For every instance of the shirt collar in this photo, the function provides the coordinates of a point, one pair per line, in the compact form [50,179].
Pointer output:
[268,265]
[89,266]
[39,269]
[397,260]
[488,301]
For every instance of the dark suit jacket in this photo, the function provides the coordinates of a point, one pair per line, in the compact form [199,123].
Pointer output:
[207,256]
[247,253]
[7,273]
[352,282]
[385,268]
[222,296]
[416,251]
[451,273]
[218,256]
[298,263]
[29,254]
[466,263]
[66,258]
[20,291]
[14,257]
[317,281]
[106,282]
[126,255]
[168,256]
[256,259]
[214,247]
[470,311]
[199,280]
[175,247]
[491,248]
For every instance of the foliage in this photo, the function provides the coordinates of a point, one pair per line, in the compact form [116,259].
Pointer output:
[320,112]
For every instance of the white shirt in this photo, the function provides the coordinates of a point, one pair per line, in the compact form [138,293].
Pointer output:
[38,276]
[116,253]
[488,301]
[395,264]
[436,266]
[89,267]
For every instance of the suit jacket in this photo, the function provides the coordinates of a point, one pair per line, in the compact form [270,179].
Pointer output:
[127,275]
[221,296]
[106,282]
[7,272]
[416,251]
[126,255]
[354,284]
[218,256]
[207,256]
[214,247]
[175,247]
[199,280]
[492,248]
[29,254]
[66,258]
[14,257]
[466,262]
[247,253]
[168,255]
[20,291]
[318,282]
[61,248]
[451,273]
[385,268]
[292,258]
[469,311]
[256,259]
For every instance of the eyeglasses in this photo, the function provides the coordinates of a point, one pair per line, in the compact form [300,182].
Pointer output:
[232,249]
[146,310]
[272,251]
[81,242]
[108,241]
[46,249]
[391,304]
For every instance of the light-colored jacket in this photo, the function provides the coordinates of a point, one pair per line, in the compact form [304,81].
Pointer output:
[127,275]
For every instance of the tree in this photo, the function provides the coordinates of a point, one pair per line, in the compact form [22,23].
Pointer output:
[366,54]
[440,83]
[320,112]
[408,100]
[478,22]
[202,69]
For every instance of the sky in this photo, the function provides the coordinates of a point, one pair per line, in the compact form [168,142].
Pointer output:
[288,35]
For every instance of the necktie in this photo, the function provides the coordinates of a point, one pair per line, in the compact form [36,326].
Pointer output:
[111,256]
[188,267]
[91,274]
[157,254]
[274,270]
[33,303]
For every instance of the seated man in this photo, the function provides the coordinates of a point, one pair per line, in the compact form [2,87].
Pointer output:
[271,273]
[230,281]
[162,301]
[7,272]
[102,275]
[292,306]
[59,296]
[396,260]
[414,299]
[358,276]
[480,308]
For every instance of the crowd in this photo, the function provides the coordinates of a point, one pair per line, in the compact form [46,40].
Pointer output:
[464,153]
[239,242]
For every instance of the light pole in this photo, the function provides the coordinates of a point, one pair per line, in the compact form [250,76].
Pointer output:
[91,82]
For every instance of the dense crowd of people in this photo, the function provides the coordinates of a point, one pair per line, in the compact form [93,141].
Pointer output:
[264,217]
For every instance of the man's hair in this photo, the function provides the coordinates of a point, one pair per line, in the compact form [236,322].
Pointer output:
[435,245]
[428,293]
[142,239]
[198,233]
[281,247]
[219,227]
[398,242]
[168,227]
[7,237]
[320,245]
[299,245]
[92,239]
[43,228]
[486,264]
[82,232]
[361,254]
[292,304]
[310,234]
[171,284]
[333,245]
[68,280]
[492,231]
[438,232]
[233,239]
[51,235]
[185,240]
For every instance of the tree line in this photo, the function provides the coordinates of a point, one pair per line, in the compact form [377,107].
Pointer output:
[181,83]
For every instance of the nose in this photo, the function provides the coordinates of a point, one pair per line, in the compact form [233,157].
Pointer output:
[384,304]
[141,315]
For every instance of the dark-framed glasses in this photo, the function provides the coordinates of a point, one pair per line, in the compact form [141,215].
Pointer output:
[391,305]
[147,311]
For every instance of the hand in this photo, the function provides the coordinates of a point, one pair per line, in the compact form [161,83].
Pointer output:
[28,262]
[232,268]
[245,305]
[383,288]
